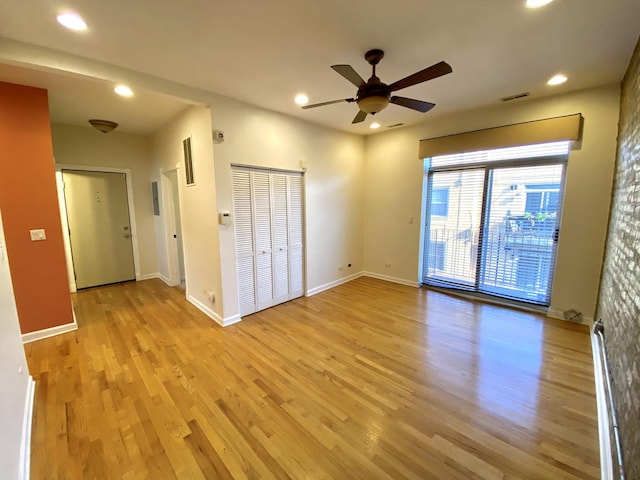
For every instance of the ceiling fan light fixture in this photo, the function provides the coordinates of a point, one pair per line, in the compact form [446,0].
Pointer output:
[104,126]
[373,104]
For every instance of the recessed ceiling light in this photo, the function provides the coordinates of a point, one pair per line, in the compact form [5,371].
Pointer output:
[123,90]
[557,79]
[72,21]
[301,99]
[537,3]
[374,125]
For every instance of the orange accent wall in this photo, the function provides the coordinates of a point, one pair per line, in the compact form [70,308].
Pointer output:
[28,199]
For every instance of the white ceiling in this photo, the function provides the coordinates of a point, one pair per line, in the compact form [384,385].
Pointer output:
[75,99]
[264,52]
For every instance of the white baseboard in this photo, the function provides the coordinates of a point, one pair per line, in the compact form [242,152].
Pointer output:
[206,310]
[401,281]
[231,320]
[151,276]
[25,444]
[606,464]
[50,332]
[335,283]
[559,314]
[147,276]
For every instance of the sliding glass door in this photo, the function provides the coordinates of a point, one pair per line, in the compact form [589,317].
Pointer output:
[493,229]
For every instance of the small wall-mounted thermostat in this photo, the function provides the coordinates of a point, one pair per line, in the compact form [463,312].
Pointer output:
[224,218]
[218,136]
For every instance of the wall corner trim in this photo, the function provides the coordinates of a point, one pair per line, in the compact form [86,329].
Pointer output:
[606,464]
[25,443]
[206,310]
[50,332]
[321,288]
[401,281]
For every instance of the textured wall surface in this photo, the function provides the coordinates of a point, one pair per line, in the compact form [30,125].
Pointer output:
[619,303]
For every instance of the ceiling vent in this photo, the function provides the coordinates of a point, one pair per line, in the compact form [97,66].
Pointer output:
[395,125]
[516,96]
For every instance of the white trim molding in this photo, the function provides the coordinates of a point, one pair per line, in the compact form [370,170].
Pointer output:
[335,283]
[206,310]
[606,460]
[401,281]
[148,276]
[27,422]
[50,332]
[231,320]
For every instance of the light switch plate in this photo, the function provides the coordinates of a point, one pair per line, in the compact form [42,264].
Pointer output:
[37,235]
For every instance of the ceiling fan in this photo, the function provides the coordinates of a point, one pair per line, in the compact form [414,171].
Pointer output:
[373,95]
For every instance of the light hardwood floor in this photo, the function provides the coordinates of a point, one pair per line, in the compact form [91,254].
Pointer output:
[368,380]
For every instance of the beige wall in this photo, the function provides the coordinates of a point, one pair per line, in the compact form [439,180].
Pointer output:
[198,205]
[393,191]
[333,186]
[74,145]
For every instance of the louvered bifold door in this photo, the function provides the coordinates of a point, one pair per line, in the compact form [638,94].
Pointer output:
[280,232]
[262,239]
[243,214]
[296,273]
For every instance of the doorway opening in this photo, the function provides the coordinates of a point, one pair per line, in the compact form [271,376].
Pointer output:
[96,209]
[173,223]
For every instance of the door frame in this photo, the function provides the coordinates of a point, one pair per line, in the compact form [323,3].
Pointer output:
[59,167]
[168,208]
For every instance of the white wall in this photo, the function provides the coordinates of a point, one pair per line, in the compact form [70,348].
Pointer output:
[86,146]
[198,205]
[333,186]
[14,376]
[393,190]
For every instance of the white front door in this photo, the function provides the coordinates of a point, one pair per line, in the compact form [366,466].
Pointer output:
[99,227]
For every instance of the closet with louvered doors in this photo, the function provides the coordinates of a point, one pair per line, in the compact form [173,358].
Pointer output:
[267,208]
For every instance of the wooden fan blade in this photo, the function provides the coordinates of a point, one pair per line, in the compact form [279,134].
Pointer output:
[360,117]
[418,105]
[349,100]
[350,74]
[429,73]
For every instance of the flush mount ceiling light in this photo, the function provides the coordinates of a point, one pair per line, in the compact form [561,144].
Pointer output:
[374,125]
[557,79]
[301,99]
[72,21]
[537,3]
[104,126]
[123,91]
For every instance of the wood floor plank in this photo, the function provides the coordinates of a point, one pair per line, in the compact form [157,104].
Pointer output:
[367,380]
